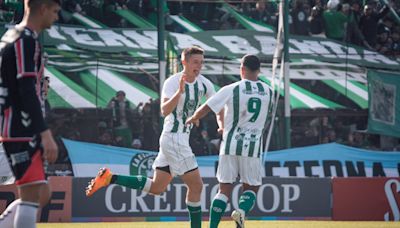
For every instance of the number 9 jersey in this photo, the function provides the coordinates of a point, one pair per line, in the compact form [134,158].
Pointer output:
[247,105]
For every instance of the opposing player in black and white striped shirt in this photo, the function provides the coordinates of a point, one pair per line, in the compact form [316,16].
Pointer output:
[246,106]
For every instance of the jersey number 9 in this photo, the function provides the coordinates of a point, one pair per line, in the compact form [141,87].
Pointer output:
[254,106]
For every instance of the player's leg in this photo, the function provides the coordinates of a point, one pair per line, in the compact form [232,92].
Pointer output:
[26,212]
[195,185]
[227,173]
[30,180]
[219,203]
[8,215]
[250,171]
[247,199]
[155,186]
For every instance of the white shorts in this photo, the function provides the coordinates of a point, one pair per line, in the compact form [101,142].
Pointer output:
[176,153]
[249,169]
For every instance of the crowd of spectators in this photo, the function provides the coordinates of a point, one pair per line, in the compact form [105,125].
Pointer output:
[345,129]
[365,23]
[371,25]
[120,124]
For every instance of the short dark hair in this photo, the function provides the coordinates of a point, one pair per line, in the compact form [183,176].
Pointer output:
[120,92]
[194,50]
[251,62]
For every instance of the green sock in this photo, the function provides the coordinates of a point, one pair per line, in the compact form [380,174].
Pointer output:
[247,200]
[217,209]
[135,182]
[194,214]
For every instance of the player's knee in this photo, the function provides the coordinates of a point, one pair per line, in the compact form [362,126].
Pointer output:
[157,191]
[44,195]
[196,188]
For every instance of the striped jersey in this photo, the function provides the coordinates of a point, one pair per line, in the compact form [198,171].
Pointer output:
[189,101]
[246,106]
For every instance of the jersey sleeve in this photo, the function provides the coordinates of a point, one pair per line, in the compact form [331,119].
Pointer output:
[210,88]
[25,53]
[25,49]
[218,101]
[169,88]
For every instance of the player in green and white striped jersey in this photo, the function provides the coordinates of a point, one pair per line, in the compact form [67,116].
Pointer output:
[246,105]
[181,95]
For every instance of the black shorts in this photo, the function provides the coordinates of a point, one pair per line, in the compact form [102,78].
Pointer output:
[25,159]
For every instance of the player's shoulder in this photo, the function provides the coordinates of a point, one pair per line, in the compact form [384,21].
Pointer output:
[265,85]
[203,79]
[11,36]
[173,78]
[231,86]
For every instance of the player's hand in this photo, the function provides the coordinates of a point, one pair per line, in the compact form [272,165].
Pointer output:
[192,120]
[50,149]
[182,82]
[220,131]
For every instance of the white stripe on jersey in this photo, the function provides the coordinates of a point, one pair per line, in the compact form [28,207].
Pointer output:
[188,102]
[247,104]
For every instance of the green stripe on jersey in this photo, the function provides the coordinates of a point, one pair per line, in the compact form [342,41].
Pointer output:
[252,145]
[196,98]
[196,95]
[185,111]
[235,118]
[260,87]
[248,87]
[239,145]
[205,89]
[176,122]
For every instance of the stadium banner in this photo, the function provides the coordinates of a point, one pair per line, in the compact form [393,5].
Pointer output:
[358,199]
[278,198]
[324,160]
[58,209]
[384,103]
[227,43]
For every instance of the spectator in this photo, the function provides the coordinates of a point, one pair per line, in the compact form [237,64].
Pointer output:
[18,8]
[353,32]
[106,138]
[299,14]
[72,6]
[395,48]
[384,41]
[334,21]
[150,131]
[261,12]
[137,144]
[121,117]
[369,22]
[316,22]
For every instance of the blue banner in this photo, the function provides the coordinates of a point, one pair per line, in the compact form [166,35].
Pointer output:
[314,161]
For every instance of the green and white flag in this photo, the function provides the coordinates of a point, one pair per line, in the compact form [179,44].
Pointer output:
[384,103]
[185,23]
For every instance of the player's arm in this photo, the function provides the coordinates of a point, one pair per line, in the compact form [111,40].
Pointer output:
[220,121]
[198,114]
[215,104]
[169,104]
[220,114]
[26,76]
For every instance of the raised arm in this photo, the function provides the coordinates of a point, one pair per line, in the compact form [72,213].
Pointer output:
[169,104]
